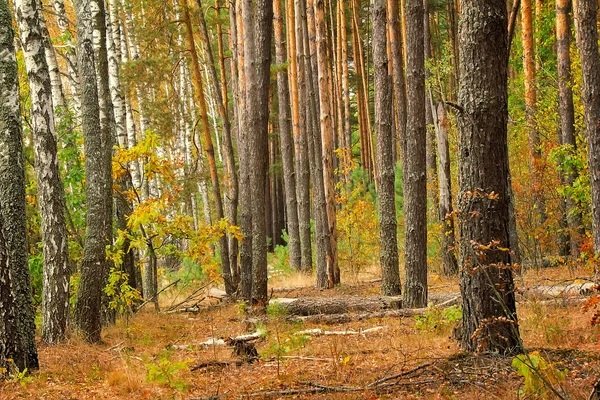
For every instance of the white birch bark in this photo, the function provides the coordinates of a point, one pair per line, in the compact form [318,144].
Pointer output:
[55,298]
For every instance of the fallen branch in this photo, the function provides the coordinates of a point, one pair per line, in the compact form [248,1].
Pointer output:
[320,332]
[189,298]
[221,341]
[349,317]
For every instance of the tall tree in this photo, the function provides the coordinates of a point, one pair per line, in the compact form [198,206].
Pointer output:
[258,19]
[486,281]
[567,112]
[93,266]
[286,140]
[398,77]
[55,294]
[296,12]
[326,118]
[445,192]
[587,43]
[384,120]
[17,326]
[414,168]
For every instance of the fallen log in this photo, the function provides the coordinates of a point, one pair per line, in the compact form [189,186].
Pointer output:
[551,292]
[332,319]
[307,306]
[321,332]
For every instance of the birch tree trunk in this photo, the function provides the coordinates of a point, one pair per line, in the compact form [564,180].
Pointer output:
[55,294]
[17,326]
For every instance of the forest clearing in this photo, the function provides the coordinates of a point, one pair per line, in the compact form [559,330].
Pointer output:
[179,355]
[233,199]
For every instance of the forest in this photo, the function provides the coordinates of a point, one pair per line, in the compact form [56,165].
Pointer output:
[362,199]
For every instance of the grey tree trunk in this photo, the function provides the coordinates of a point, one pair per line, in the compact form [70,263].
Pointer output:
[486,280]
[17,327]
[286,141]
[301,139]
[55,294]
[414,171]
[384,119]
[258,20]
[587,43]
[93,266]
[445,191]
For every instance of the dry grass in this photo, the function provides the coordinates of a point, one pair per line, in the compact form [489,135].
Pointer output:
[118,369]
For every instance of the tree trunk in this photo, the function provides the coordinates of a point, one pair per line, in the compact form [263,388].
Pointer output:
[486,281]
[414,171]
[445,192]
[286,141]
[93,267]
[567,114]
[17,326]
[398,75]
[55,294]
[587,43]
[258,19]
[388,242]
[300,126]
[327,135]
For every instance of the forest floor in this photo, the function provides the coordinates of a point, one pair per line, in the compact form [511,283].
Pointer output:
[160,355]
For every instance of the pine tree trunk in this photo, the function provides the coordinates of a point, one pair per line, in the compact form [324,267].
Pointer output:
[384,120]
[567,114]
[446,217]
[300,127]
[93,267]
[286,140]
[258,19]
[17,327]
[398,75]
[414,171]
[326,118]
[55,294]
[587,43]
[486,281]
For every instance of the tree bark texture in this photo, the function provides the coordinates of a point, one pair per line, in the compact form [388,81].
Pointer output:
[384,120]
[93,266]
[486,281]
[17,327]
[414,169]
[55,293]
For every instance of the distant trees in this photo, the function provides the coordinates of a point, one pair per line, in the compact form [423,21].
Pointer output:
[17,327]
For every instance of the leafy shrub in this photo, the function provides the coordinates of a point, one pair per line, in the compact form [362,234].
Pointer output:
[166,372]
[438,320]
[541,377]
